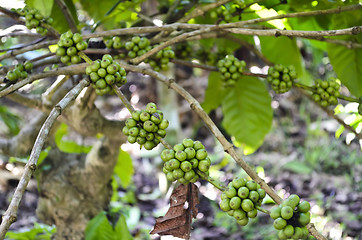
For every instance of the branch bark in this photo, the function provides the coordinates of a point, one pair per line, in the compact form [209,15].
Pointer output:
[10,214]
[295,33]
[27,49]
[69,70]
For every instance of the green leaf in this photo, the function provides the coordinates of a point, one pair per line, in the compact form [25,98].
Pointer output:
[60,23]
[297,167]
[38,232]
[99,228]
[247,113]
[347,63]
[43,154]
[339,131]
[68,146]
[214,93]
[285,51]
[124,168]
[121,11]
[43,6]
[11,120]
[121,229]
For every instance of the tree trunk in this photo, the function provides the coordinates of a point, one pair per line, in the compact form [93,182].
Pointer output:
[76,188]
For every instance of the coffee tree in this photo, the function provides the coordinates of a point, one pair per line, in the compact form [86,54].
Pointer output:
[98,44]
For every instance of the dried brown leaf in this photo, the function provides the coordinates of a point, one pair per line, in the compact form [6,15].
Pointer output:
[177,220]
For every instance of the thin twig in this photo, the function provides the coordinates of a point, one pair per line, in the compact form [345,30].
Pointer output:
[295,33]
[165,143]
[48,94]
[170,42]
[347,44]
[171,10]
[215,183]
[305,87]
[68,16]
[331,114]
[20,34]
[194,65]
[262,210]
[24,45]
[10,214]
[69,70]
[27,49]
[123,98]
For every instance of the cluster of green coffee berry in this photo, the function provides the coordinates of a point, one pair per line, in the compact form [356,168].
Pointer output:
[291,218]
[231,69]
[281,78]
[68,47]
[161,59]
[326,92]
[137,46]
[114,42]
[183,50]
[33,19]
[184,160]
[226,12]
[241,198]
[20,72]
[104,73]
[146,127]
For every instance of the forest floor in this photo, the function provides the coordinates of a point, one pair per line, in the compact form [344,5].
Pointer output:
[300,155]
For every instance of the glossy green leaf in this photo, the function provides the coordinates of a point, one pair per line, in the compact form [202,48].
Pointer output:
[247,113]
[99,228]
[339,131]
[285,51]
[347,63]
[43,6]
[297,167]
[124,168]
[11,120]
[68,146]
[121,229]
[214,93]
[39,232]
